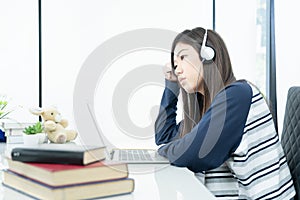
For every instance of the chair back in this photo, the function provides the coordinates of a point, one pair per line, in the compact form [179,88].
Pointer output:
[290,138]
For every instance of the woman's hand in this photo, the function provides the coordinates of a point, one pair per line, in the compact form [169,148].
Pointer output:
[169,73]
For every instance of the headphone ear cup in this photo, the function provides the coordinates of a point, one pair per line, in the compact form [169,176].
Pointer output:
[207,53]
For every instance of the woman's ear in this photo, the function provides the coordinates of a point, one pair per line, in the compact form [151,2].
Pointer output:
[36,111]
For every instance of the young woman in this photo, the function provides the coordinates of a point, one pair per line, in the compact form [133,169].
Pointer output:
[227,135]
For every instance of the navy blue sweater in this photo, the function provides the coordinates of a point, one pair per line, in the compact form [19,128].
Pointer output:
[217,135]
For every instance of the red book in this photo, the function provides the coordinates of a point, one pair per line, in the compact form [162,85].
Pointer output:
[61,174]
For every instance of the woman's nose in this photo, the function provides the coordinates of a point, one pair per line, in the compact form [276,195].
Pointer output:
[178,69]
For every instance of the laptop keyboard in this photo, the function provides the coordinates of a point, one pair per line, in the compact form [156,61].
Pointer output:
[135,154]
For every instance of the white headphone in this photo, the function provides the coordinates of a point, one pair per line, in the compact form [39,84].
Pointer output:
[206,52]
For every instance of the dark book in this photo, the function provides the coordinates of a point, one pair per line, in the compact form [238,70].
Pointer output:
[87,190]
[69,153]
[60,174]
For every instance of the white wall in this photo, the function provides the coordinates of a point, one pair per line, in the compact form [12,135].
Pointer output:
[19,56]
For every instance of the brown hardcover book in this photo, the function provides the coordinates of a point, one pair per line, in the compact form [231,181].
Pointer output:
[68,153]
[61,174]
[87,190]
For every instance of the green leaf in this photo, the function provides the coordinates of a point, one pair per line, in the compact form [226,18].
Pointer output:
[36,128]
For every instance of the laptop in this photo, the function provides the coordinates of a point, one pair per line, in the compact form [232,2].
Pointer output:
[131,155]
[138,156]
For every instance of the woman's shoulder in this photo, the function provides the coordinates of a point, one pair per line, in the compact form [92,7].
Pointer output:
[240,88]
[239,83]
[238,93]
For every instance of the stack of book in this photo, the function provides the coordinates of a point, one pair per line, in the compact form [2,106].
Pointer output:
[51,171]
[14,131]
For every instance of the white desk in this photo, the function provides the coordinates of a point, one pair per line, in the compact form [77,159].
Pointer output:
[153,182]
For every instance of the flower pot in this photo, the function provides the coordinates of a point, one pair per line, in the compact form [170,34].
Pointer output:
[34,139]
[31,139]
[43,138]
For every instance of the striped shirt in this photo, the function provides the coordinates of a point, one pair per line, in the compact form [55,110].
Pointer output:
[234,149]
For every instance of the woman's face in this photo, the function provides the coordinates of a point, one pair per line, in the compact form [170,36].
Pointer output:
[189,70]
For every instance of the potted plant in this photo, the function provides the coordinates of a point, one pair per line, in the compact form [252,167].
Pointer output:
[34,134]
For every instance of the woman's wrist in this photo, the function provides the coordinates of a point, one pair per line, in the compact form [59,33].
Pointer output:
[172,86]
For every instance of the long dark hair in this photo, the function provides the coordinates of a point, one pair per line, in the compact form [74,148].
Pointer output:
[216,75]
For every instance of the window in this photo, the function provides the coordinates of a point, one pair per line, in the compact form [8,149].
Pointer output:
[74,29]
[244,32]
[287,43]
